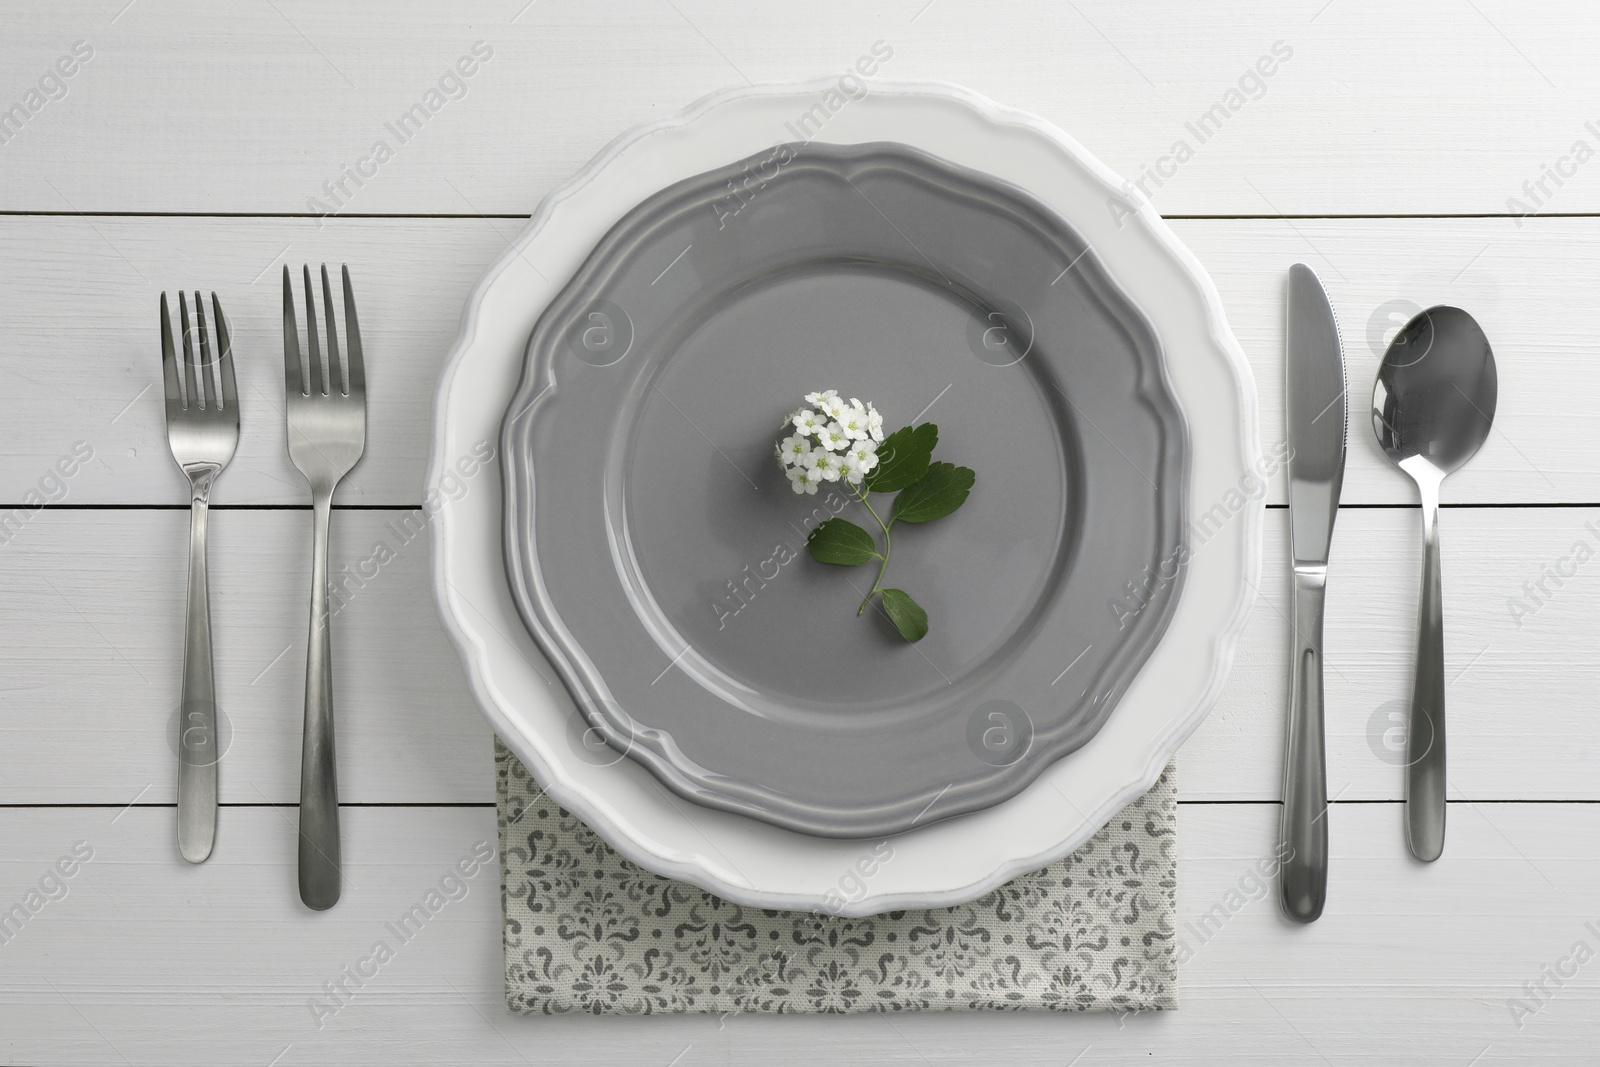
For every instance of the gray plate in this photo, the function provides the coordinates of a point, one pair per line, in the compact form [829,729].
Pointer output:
[656,551]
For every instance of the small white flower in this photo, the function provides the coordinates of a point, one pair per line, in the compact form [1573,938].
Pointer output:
[808,422]
[854,423]
[874,423]
[860,458]
[828,466]
[804,479]
[832,437]
[794,449]
[834,406]
[822,397]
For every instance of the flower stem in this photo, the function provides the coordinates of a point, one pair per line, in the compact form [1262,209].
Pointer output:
[884,565]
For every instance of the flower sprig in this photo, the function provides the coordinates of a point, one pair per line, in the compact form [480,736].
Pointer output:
[838,440]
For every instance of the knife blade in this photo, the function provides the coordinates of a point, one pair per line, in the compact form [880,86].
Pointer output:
[1316,416]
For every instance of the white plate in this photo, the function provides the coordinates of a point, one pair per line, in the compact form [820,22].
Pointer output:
[950,861]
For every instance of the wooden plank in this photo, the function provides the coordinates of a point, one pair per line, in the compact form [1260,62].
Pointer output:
[93,610]
[180,109]
[94,623]
[147,959]
[1518,673]
[79,359]
[1530,288]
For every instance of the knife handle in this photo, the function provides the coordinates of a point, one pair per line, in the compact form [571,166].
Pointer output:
[1303,832]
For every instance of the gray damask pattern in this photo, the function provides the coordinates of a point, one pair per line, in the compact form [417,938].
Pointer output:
[585,930]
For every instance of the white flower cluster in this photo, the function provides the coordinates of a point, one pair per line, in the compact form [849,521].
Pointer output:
[833,439]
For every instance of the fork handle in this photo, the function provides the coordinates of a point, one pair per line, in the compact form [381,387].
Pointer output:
[197,715]
[319,785]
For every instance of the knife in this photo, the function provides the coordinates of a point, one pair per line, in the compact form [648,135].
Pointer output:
[1316,414]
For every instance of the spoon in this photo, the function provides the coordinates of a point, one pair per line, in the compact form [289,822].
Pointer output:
[1431,409]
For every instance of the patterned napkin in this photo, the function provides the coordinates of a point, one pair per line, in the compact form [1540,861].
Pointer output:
[586,930]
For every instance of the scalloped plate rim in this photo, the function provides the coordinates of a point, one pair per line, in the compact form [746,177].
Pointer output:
[717,874]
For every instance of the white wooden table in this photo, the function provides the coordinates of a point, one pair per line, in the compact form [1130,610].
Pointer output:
[1395,150]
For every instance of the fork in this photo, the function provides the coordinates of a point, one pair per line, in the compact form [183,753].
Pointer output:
[203,431]
[327,430]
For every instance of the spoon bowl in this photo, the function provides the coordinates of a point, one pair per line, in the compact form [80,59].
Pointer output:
[1432,409]
[1436,390]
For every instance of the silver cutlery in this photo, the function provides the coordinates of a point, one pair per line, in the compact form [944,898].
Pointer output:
[1432,408]
[203,431]
[1314,390]
[327,430]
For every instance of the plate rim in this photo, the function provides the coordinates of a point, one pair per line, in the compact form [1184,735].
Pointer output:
[695,867]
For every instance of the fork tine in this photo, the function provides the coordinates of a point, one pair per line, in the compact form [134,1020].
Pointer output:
[313,352]
[335,375]
[207,369]
[192,397]
[169,359]
[230,389]
[291,339]
[352,338]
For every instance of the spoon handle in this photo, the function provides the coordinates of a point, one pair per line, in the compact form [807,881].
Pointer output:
[1303,829]
[1425,736]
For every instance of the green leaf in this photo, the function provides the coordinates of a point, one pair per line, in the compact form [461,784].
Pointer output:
[903,458]
[841,542]
[906,614]
[942,490]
